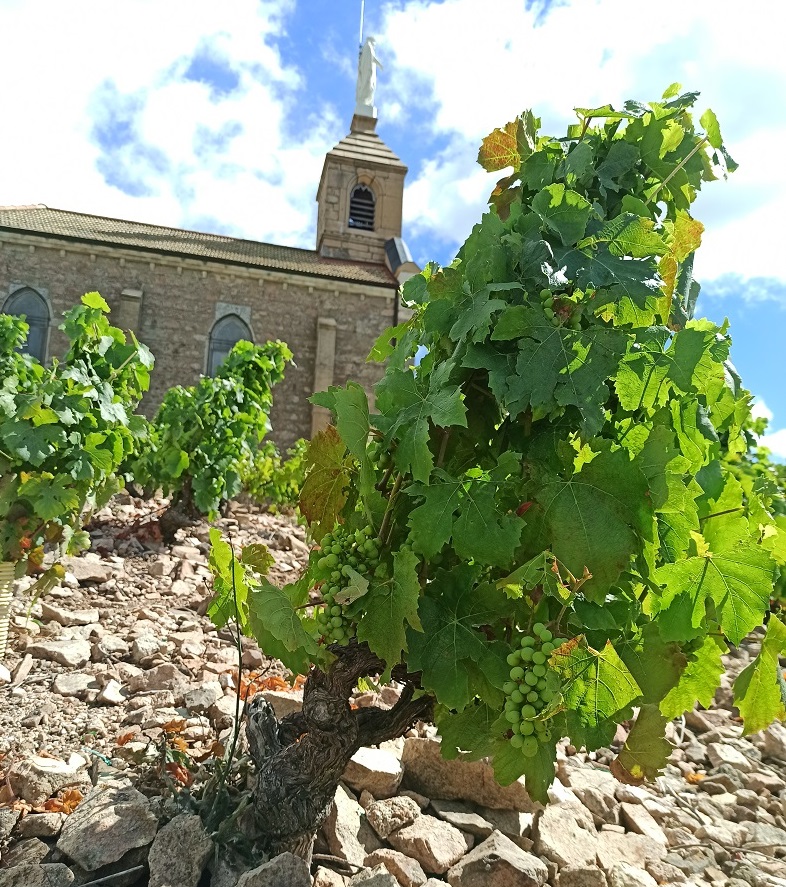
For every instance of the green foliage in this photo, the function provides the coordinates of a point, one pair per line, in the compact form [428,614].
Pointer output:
[64,429]
[560,463]
[272,481]
[202,436]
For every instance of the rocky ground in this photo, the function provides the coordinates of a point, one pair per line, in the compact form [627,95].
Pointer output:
[117,693]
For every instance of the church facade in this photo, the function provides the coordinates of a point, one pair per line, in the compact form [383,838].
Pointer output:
[189,296]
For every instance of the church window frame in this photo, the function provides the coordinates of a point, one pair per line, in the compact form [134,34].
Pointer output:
[220,344]
[362,214]
[39,319]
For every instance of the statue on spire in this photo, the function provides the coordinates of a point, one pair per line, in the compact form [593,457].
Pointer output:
[367,79]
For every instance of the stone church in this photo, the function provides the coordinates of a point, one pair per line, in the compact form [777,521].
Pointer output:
[190,296]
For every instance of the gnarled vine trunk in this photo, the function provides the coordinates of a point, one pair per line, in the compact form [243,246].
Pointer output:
[301,758]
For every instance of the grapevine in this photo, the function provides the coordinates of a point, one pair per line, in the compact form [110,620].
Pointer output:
[561,491]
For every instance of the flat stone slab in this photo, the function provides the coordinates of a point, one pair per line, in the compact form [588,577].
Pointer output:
[73,653]
[374,770]
[435,844]
[113,819]
[427,772]
[498,862]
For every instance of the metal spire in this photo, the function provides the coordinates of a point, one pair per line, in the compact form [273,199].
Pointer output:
[362,13]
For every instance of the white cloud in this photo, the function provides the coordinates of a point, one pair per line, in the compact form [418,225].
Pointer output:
[194,154]
[476,65]
[760,410]
[776,442]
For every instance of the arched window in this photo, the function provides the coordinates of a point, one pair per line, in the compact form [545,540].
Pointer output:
[226,333]
[361,208]
[33,306]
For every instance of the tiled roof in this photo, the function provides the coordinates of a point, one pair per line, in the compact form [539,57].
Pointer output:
[192,244]
[368,147]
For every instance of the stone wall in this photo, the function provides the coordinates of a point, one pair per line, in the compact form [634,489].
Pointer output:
[182,298]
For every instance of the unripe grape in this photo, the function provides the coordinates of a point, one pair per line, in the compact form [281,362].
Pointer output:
[335,610]
[555,321]
[541,685]
[516,740]
[529,746]
[529,678]
[539,671]
[338,634]
[528,712]
[516,696]
[509,686]
[526,654]
[532,696]
[546,635]
[547,649]
[538,658]
[528,641]
[336,621]
[517,673]
[527,728]
[548,312]
[513,659]
[538,628]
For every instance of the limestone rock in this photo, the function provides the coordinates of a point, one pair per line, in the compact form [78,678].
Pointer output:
[348,834]
[427,772]
[284,702]
[463,817]
[51,613]
[111,694]
[775,742]
[31,851]
[52,875]
[285,870]
[88,568]
[588,876]
[201,698]
[179,853]
[36,779]
[8,819]
[637,819]
[374,770]
[328,878]
[629,847]
[721,753]
[435,844]
[379,876]
[73,653]
[391,813]
[145,647]
[74,684]
[110,646]
[625,875]
[405,870]
[162,677]
[113,819]
[41,825]
[498,862]
[559,838]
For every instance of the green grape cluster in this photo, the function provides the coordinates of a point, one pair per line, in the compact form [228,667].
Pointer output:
[528,691]
[344,552]
[548,302]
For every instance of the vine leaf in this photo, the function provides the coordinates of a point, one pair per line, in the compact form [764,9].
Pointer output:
[758,693]
[451,647]
[277,627]
[510,144]
[646,750]
[324,490]
[595,519]
[563,211]
[467,512]
[735,575]
[538,771]
[389,607]
[408,402]
[596,684]
[470,731]
[641,651]
[699,679]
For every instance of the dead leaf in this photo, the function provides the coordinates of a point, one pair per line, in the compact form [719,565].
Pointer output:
[694,778]
[176,725]
[126,737]
[179,773]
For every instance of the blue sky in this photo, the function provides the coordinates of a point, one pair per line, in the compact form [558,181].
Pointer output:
[218,116]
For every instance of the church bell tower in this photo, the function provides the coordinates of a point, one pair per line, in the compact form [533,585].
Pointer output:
[361,191]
